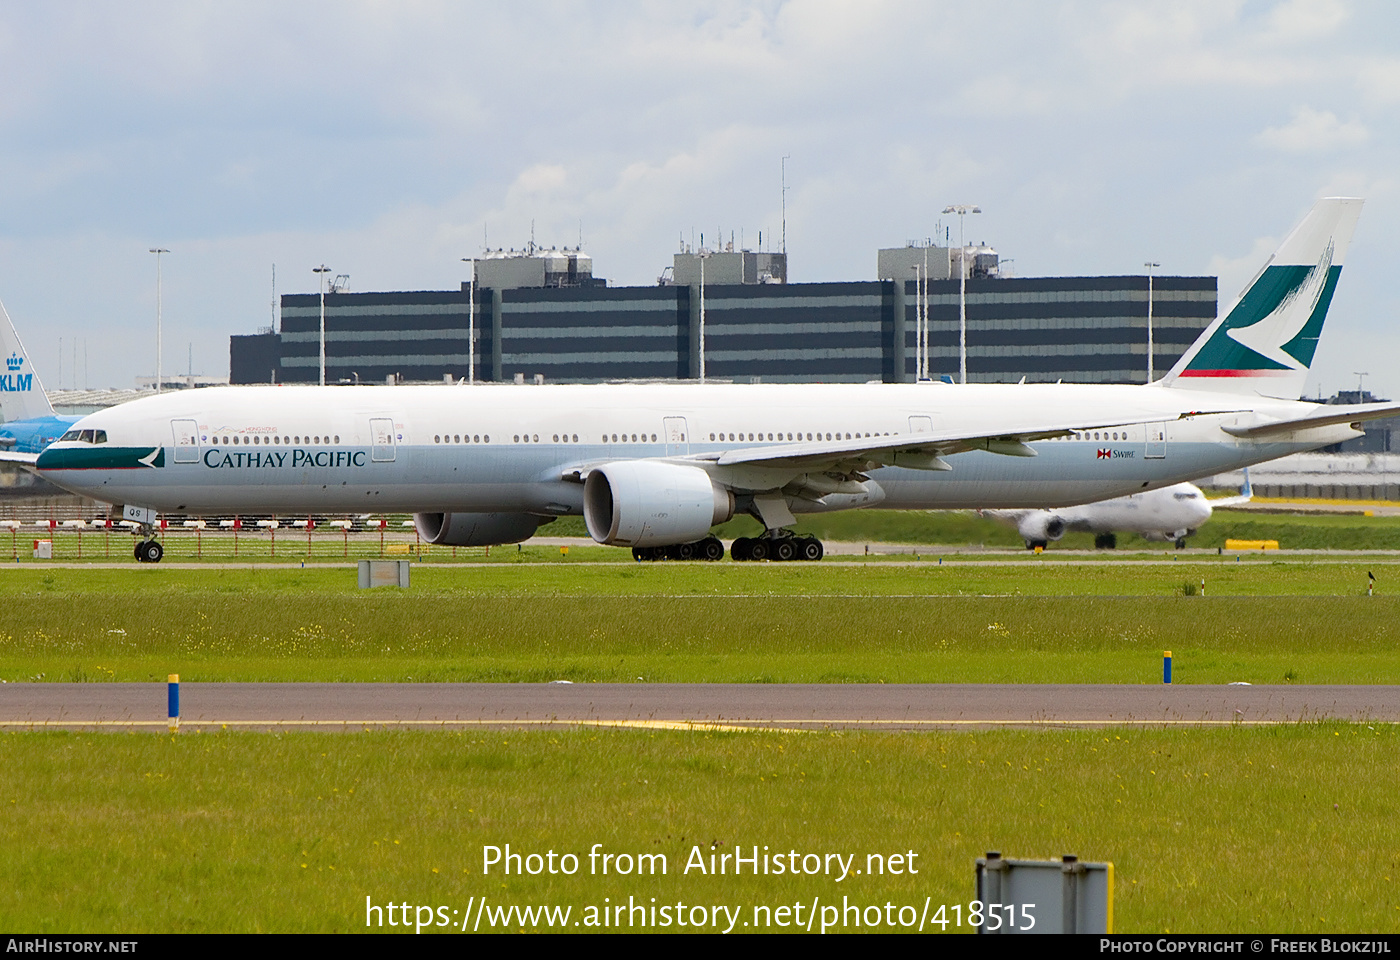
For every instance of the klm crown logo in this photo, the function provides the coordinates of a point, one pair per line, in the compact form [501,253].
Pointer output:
[13,381]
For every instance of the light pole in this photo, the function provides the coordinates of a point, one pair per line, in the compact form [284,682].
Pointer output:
[158,251]
[923,308]
[918,328]
[703,254]
[962,210]
[1150,267]
[323,270]
[471,321]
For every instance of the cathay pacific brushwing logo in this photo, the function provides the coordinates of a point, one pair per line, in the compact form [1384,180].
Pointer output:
[1274,328]
[14,379]
[1271,335]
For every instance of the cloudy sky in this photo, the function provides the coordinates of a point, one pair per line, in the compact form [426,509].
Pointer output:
[390,140]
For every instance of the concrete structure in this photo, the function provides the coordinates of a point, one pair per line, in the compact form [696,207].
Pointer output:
[542,313]
[728,266]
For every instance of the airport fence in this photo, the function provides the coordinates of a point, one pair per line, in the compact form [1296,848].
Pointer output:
[63,532]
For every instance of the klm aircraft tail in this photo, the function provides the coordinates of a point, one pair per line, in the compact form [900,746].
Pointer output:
[1264,343]
[22,396]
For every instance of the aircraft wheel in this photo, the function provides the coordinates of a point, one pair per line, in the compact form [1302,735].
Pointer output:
[1181,543]
[150,552]
[1106,541]
[785,550]
[759,549]
[140,551]
[711,548]
[684,551]
[811,549]
[641,553]
[739,549]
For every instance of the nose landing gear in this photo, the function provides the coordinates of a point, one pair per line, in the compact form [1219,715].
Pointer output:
[148,548]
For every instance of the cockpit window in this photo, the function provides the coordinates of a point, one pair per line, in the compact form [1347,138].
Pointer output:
[85,436]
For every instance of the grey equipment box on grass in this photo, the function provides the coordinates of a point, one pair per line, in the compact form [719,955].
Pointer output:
[383,573]
[1044,896]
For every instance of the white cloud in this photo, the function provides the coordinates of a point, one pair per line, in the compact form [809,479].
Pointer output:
[1236,272]
[1305,21]
[1314,131]
[1379,80]
[383,139]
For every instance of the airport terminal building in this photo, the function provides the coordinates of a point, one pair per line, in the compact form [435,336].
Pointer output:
[541,315]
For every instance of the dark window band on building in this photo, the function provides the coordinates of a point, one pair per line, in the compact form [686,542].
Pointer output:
[542,314]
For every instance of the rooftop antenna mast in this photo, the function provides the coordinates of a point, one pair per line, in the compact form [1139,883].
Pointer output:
[786,157]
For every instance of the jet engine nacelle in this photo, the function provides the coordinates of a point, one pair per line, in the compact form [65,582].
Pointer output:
[1040,526]
[476,529]
[645,503]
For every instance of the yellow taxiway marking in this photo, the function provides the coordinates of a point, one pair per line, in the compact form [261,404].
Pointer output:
[780,726]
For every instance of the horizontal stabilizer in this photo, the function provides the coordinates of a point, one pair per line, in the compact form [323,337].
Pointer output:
[1354,413]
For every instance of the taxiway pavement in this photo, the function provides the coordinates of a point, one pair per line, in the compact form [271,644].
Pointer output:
[360,706]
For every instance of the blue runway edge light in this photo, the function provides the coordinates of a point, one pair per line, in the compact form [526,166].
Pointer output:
[174,700]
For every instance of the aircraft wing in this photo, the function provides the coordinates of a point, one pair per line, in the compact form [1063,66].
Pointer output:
[1351,413]
[917,450]
[23,459]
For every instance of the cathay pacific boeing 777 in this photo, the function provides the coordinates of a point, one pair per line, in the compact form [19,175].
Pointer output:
[654,466]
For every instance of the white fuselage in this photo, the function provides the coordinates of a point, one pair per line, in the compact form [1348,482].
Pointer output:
[504,448]
[1166,513]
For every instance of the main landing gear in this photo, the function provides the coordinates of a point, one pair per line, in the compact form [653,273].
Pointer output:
[782,548]
[711,548]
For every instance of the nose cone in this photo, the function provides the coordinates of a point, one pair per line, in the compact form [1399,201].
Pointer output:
[48,459]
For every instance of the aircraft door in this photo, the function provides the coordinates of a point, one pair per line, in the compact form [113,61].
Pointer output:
[381,431]
[1156,442]
[186,440]
[677,439]
[921,424]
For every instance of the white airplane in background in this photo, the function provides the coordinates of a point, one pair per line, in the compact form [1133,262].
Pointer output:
[654,466]
[1167,514]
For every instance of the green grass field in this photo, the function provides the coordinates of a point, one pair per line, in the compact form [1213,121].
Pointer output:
[1260,622]
[1287,829]
[1282,829]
